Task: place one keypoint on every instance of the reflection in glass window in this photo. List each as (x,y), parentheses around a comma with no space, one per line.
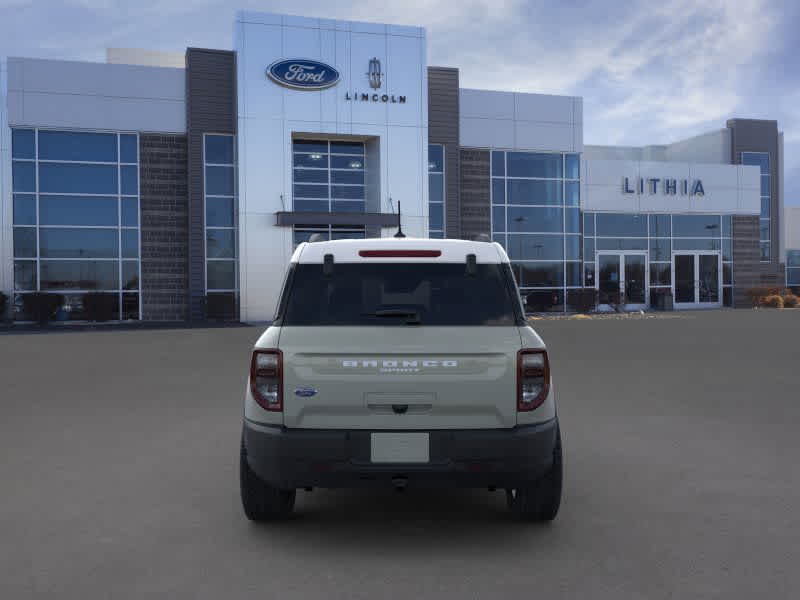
(532,164)
(621,225)
(325,173)
(762,160)
(78,146)
(436,195)
(219,154)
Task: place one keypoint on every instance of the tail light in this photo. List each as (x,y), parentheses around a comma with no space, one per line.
(533,379)
(266,379)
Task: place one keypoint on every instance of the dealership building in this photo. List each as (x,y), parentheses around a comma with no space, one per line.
(181,183)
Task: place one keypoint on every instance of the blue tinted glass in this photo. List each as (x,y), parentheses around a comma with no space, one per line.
(310,146)
(219,181)
(310,191)
(130,243)
(573,166)
(347,192)
(25,275)
(311,205)
(78,243)
(302,235)
(759,159)
(128,151)
(498,218)
(660,249)
(320,161)
(765,250)
(696,225)
(727,249)
(498,163)
(499,238)
(78,179)
(130,275)
(23,144)
(130,212)
(765,208)
(219,212)
(80,275)
(529,164)
(436,187)
(221,274)
(660,274)
(535,247)
(498,191)
(77,210)
(348,206)
(588,272)
(793,277)
(588,249)
(621,244)
(436,216)
(793,258)
(543,220)
(219,149)
(542,274)
(25,242)
(572,247)
(23,176)
(660,226)
(315,175)
(347,148)
(129,180)
(24,209)
(340,162)
(572,220)
(573,274)
(435,158)
(527,191)
(727,274)
(765,185)
(695,244)
(628,225)
(436,235)
(220,243)
(572,190)
(74,145)
(130,307)
(588,224)
(727,226)
(347,235)
(763,228)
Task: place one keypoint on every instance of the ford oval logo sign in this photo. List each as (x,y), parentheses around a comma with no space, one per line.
(305,392)
(303,74)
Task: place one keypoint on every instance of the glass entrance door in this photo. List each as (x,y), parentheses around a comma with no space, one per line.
(697,280)
(622,280)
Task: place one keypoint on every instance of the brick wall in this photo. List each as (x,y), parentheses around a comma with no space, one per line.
(165,227)
(748,270)
(475,196)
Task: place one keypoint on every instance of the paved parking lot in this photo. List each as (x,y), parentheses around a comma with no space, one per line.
(118,476)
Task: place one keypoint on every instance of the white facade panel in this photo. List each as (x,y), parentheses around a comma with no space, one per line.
(791,227)
(270,115)
(486,133)
(545,136)
(485,104)
(541,107)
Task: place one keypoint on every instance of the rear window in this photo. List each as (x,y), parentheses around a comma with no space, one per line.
(399,294)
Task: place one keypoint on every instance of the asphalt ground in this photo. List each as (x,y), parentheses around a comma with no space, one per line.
(118,471)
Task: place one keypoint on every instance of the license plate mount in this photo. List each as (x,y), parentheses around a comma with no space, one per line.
(397,447)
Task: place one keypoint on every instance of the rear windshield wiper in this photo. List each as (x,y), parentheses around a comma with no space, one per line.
(412,316)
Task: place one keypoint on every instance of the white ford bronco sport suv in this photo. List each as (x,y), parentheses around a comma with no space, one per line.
(400,362)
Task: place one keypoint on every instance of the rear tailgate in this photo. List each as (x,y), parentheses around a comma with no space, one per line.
(365,377)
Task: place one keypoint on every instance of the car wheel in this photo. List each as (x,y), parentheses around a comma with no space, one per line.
(261,501)
(540,500)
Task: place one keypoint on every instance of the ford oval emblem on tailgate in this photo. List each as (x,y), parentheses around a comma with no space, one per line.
(305,392)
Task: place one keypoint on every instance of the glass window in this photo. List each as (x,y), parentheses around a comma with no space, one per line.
(347,192)
(621,243)
(763,229)
(765,208)
(765,250)
(573,274)
(25,242)
(727,273)
(436,216)
(24,209)
(572,191)
(498,218)
(318,161)
(344,162)
(347,206)
(498,163)
(696,225)
(660,249)
(588,249)
(130,275)
(535,247)
(128,148)
(498,191)
(25,275)
(66,178)
(130,307)
(543,300)
(130,212)
(793,258)
(572,247)
(23,143)
(727,297)
(78,243)
(527,191)
(435,158)
(530,164)
(79,275)
(572,220)
(660,226)
(219,149)
(542,274)
(130,243)
(78,146)
(622,225)
(312,205)
(219,181)
(727,249)
(573,166)
(221,274)
(219,212)
(347,148)
(660,274)
(311,175)
(303,235)
(588,274)
(23,176)
(535,219)
(765,191)
(77,210)
(312,146)
(436,187)
(357,177)
(759,159)
(311,191)
(220,243)
(588,224)
(337,234)
(129,180)
(695,244)
(727,226)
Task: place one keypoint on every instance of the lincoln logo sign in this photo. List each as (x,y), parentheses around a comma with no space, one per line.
(302,74)
(670,187)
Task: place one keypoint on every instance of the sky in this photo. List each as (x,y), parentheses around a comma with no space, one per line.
(649,72)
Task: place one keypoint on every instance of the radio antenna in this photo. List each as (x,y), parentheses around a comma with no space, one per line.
(399,233)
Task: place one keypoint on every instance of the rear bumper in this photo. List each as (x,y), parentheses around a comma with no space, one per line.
(503,458)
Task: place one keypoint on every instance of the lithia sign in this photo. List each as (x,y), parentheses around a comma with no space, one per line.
(306,74)
(669,187)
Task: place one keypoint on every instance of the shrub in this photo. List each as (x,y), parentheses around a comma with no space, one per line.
(41,306)
(99,306)
(773,301)
(3,306)
(790,301)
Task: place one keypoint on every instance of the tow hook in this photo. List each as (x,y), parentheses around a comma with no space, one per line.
(400,482)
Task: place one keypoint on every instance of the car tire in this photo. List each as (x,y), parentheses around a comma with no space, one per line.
(261,501)
(540,500)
